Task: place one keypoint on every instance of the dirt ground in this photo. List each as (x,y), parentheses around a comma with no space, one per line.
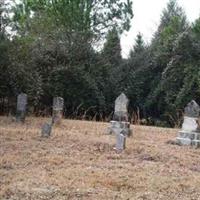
(78,162)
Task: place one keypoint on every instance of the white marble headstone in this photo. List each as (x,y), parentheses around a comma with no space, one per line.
(190,124)
(191,115)
(190,133)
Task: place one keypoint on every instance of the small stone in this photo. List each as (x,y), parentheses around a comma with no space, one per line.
(121,142)
(46,130)
(184,141)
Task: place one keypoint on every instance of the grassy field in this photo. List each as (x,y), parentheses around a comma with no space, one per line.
(78,162)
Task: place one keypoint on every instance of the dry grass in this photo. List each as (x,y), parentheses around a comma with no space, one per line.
(78,162)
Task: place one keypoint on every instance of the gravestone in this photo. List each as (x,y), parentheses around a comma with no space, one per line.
(121,141)
(190,133)
(21,107)
(115,126)
(58,104)
(121,111)
(120,125)
(46,130)
(120,118)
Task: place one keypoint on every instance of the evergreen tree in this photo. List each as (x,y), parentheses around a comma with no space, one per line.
(109,70)
(112,48)
(137,74)
(173,24)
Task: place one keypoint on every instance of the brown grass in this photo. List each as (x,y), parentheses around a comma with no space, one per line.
(78,162)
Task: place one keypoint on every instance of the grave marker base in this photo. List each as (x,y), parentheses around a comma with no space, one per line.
(188,138)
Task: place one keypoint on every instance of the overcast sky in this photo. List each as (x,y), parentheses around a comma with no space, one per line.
(147,16)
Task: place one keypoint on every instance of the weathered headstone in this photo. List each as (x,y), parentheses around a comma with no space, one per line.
(190,133)
(120,141)
(120,125)
(120,118)
(121,111)
(21,107)
(58,104)
(115,126)
(46,130)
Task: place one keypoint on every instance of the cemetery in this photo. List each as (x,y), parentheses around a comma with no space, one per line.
(76,159)
(99,100)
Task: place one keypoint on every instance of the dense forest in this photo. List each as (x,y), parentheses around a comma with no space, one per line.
(71,48)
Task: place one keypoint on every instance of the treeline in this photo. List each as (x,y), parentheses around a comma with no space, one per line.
(72,49)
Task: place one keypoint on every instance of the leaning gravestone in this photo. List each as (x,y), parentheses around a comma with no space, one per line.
(21,107)
(58,104)
(120,125)
(190,133)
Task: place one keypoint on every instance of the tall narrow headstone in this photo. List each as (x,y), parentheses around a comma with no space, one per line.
(190,133)
(58,104)
(21,107)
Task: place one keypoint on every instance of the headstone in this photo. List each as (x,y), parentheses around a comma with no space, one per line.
(190,133)
(58,104)
(121,142)
(120,117)
(121,111)
(120,125)
(21,107)
(115,126)
(192,110)
(46,130)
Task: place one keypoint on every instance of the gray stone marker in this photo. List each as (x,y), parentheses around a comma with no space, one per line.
(121,111)
(120,139)
(58,104)
(46,130)
(120,125)
(190,133)
(115,126)
(120,118)
(21,107)
(121,142)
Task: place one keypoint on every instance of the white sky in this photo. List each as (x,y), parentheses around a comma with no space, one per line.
(147,16)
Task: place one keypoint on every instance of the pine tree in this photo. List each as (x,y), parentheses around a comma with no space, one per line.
(112,48)
(173,24)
